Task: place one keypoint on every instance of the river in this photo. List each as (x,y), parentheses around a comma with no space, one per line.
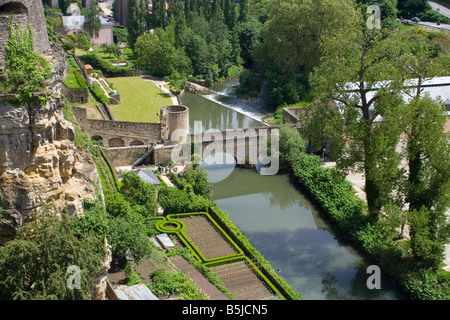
(280,222)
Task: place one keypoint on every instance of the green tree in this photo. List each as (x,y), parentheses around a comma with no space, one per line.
(365,123)
(158,56)
(249,35)
(291,39)
(92,23)
(292,147)
(140,194)
(198,179)
(427,243)
(116,204)
(34,265)
(135,22)
(128,234)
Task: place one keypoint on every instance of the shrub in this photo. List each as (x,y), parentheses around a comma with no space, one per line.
(179,201)
(107,68)
(98,93)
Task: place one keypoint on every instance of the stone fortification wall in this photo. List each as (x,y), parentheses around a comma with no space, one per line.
(121,157)
(151,131)
(172,118)
(23,13)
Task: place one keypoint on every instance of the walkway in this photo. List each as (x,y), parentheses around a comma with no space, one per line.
(160,83)
(440,8)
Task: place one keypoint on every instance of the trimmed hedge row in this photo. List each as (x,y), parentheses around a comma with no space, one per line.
(106,68)
(335,195)
(181,232)
(196,253)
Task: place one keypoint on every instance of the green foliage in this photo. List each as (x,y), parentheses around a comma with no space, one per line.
(131,276)
(335,194)
(129,233)
(249,84)
(33,266)
(173,200)
(98,93)
(140,194)
(174,283)
(157,55)
(198,180)
(104,66)
(177,82)
(94,219)
(25,69)
(117,205)
(292,147)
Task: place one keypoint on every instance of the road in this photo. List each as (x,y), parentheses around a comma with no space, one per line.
(434,25)
(439,8)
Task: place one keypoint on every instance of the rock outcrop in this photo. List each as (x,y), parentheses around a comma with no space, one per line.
(39,163)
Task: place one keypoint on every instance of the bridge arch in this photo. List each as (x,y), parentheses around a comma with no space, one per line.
(116,143)
(136,143)
(13,7)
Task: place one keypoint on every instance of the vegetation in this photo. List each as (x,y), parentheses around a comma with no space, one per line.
(104,66)
(141,100)
(48,246)
(25,69)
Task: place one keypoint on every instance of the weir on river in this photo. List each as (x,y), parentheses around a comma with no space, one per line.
(280,222)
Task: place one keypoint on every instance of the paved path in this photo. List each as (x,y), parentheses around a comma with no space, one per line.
(440,8)
(160,83)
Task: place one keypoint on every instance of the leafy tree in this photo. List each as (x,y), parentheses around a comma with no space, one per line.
(116,204)
(157,55)
(177,82)
(292,147)
(136,23)
(291,39)
(128,234)
(427,243)
(365,124)
(140,194)
(33,266)
(92,23)
(198,179)
(249,35)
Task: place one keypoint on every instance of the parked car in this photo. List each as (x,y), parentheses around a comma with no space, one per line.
(415,19)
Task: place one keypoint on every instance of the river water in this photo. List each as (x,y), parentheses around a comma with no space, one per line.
(280,222)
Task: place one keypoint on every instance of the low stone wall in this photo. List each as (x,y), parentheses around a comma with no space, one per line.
(162,154)
(80,95)
(121,157)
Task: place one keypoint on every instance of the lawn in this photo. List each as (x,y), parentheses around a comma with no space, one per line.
(141,100)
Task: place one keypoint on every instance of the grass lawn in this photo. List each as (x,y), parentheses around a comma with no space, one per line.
(141,100)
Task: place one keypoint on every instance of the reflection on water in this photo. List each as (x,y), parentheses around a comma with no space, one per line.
(290,233)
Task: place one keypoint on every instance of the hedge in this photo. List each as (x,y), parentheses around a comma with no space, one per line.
(181,232)
(104,66)
(98,93)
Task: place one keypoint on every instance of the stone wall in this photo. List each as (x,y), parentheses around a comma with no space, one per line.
(121,157)
(79,95)
(172,118)
(152,131)
(23,12)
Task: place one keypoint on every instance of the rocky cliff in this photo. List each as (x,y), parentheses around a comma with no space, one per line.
(39,163)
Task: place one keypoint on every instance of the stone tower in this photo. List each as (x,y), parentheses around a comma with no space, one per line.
(23,13)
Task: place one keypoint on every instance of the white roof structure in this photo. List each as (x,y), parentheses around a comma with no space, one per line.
(438,87)
(136,292)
